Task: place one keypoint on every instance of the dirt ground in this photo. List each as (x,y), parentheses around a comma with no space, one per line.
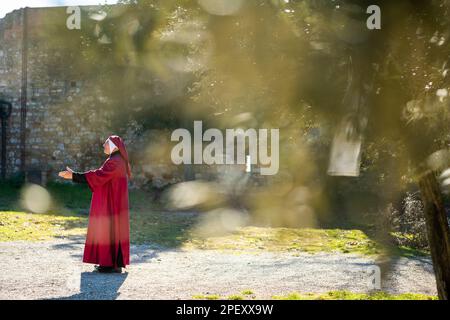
(53,270)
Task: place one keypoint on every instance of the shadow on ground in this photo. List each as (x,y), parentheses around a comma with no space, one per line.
(97,286)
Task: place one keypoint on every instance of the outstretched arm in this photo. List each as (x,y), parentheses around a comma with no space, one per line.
(94,178)
(69,174)
(98,177)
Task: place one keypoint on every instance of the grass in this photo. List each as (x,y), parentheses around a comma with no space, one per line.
(247,292)
(17,224)
(347,295)
(24,226)
(9,197)
(218,297)
(291,240)
(162,228)
(206,297)
(173,230)
(157,228)
(331,295)
(71,197)
(68,216)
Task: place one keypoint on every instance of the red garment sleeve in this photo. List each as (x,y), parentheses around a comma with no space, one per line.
(98,177)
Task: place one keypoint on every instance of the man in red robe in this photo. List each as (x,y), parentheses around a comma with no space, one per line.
(108,235)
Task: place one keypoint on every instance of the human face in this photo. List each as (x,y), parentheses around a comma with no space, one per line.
(106,148)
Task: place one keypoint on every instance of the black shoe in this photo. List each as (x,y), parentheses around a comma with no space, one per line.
(102,269)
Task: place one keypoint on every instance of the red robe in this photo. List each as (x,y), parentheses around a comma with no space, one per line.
(108,235)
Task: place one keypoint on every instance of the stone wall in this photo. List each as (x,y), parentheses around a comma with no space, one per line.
(65,123)
(67,120)
(54,130)
(11,33)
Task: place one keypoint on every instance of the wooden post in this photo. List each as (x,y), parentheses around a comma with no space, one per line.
(437,231)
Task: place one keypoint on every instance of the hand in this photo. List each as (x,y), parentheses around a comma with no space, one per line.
(67,174)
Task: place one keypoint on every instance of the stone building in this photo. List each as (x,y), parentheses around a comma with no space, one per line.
(44,133)
(56,120)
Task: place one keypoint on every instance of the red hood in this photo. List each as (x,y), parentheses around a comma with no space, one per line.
(123,151)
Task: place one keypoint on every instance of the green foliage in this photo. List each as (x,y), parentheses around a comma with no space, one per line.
(71,196)
(253,239)
(150,224)
(331,295)
(9,195)
(206,297)
(23,226)
(346,295)
(247,292)
(161,228)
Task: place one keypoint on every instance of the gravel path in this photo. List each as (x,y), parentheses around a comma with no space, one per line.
(53,270)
